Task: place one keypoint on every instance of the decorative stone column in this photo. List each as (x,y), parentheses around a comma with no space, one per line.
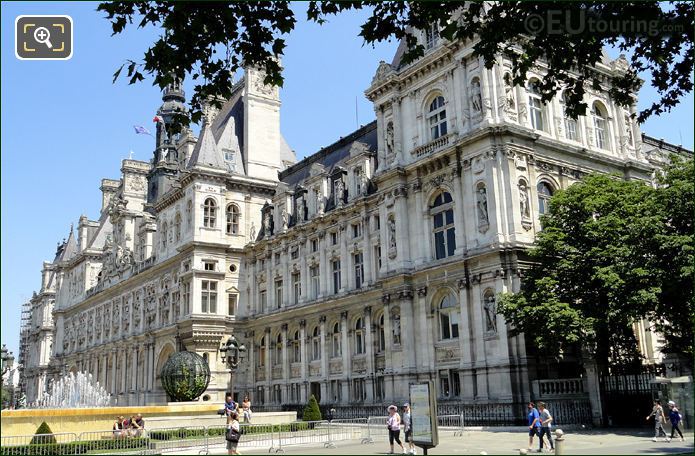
(389,369)
(345,351)
(305,360)
(285,362)
(324,357)
(466,363)
(114,368)
(324,267)
(370,353)
(347,277)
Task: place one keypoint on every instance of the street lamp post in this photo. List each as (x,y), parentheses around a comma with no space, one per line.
(233,353)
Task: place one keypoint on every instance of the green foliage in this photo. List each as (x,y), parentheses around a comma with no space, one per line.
(79,447)
(211,40)
(43,435)
(611,253)
(312,411)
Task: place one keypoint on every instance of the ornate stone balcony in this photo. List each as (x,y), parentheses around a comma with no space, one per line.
(558,388)
(433,145)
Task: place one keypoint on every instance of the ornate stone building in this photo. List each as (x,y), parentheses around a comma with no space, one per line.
(373,263)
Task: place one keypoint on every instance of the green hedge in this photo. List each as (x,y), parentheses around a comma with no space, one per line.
(80,447)
(180,434)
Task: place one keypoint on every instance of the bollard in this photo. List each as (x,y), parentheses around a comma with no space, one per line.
(559,442)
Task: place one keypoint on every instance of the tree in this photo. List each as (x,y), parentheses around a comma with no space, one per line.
(43,435)
(611,253)
(312,411)
(210,40)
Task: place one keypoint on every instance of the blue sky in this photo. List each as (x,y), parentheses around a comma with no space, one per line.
(65,126)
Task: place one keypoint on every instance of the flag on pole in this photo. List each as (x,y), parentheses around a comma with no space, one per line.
(140,130)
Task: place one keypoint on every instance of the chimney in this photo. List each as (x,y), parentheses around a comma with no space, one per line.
(108,188)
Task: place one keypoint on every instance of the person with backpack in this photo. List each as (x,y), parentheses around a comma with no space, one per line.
(233,433)
(675,417)
(659,418)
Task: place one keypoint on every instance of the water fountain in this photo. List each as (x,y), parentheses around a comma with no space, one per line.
(75,391)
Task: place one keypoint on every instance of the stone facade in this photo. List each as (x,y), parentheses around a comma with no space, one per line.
(370,264)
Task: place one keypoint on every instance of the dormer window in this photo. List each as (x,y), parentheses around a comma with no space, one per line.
(431,36)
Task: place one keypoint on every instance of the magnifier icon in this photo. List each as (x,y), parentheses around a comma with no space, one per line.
(43,36)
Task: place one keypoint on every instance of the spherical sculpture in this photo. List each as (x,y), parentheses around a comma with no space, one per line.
(185,376)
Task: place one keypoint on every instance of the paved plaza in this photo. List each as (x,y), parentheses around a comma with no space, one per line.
(509,442)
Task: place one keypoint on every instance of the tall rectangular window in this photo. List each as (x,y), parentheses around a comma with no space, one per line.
(356,230)
(359,269)
(262,301)
(186,297)
(444,385)
(278,293)
(208,296)
(335,264)
(296,287)
(571,129)
(455,383)
(315,281)
(314,245)
(334,238)
(231,304)
(379,388)
(377,257)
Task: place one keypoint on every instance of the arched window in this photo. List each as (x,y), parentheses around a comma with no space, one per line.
(571,130)
(336,340)
(261,352)
(206,358)
(296,349)
(380,336)
(359,337)
(165,228)
(177,227)
(535,106)
(545,191)
(278,350)
(232,219)
(442,211)
(600,126)
(431,35)
(437,118)
(315,345)
(209,213)
(448,318)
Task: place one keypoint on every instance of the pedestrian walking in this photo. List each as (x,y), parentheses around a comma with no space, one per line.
(675,417)
(393,423)
(534,424)
(233,433)
(408,428)
(659,418)
(545,418)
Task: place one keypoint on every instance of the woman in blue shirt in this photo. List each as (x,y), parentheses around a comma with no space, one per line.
(675,417)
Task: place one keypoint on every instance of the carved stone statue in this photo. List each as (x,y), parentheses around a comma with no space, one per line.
(389,138)
(490,314)
(392,233)
(283,216)
(266,224)
(510,104)
(396,329)
(339,192)
(252,232)
(476,96)
(481,204)
(523,201)
(320,204)
(364,184)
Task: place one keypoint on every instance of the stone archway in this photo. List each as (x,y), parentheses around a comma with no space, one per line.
(164,354)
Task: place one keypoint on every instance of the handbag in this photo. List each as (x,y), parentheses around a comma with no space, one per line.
(232,435)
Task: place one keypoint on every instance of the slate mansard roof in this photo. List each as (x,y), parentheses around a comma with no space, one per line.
(331,156)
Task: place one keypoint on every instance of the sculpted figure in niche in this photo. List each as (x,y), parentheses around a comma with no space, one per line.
(283,216)
(481,204)
(392,233)
(510,104)
(266,224)
(364,184)
(339,191)
(476,96)
(523,200)
(396,328)
(490,314)
(389,138)
(252,232)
